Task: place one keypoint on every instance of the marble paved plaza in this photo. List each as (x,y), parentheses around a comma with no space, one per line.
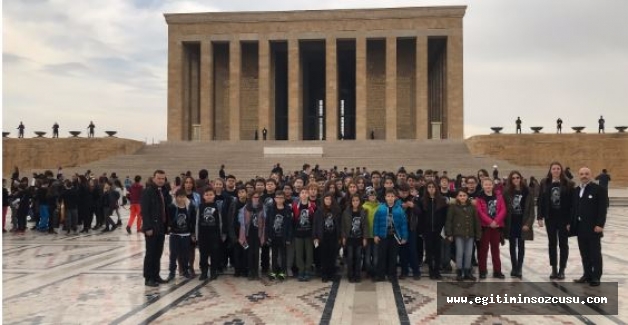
(97,279)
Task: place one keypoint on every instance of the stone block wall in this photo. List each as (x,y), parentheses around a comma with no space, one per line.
(47,153)
(597,151)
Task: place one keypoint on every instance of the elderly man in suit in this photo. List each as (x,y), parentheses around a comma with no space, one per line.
(588,219)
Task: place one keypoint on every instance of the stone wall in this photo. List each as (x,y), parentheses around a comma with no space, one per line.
(597,151)
(47,153)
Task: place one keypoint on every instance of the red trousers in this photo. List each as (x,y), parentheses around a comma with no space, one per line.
(135,213)
(4,216)
(490,236)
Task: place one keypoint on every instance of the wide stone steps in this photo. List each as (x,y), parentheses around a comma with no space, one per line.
(245,159)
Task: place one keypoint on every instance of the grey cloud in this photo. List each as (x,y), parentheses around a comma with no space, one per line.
(66,69)
(11,59)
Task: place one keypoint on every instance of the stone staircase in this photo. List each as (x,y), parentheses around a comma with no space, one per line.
(246,159)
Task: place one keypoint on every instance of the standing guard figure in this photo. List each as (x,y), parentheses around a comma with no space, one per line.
(91,128)
(518,122)
(55,130)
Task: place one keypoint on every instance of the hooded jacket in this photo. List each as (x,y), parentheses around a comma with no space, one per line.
(500,210)
(370,208)
(399,219)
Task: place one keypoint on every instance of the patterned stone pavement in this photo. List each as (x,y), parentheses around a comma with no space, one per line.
(97,279)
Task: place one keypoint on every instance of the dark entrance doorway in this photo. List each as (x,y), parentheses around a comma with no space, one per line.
(437,87)
(279,70)
(313,70)
(346,89)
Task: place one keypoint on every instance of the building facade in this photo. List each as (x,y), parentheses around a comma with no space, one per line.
(316,75)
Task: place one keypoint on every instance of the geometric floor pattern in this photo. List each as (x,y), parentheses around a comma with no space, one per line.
(96,278)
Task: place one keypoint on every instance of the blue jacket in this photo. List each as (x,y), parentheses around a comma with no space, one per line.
(399,218)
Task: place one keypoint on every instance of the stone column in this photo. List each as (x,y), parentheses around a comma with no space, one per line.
(234,89)
(175,80)
(453,120)
(264,87)
(331,91)
(391,88)
(294,91)
(421,88)
(206,91)
(360,88)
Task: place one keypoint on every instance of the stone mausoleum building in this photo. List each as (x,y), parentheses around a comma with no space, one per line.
(316,75)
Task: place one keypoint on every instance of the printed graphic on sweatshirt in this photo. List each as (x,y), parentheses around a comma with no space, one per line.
(208,216)
(329,222)
(278,225)
(492,208)
(254,220)
(356,227)
(516,204)
(304,219)
(182,220)
(268,202)
(555,197)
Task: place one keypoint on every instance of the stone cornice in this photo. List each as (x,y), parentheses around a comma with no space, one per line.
(317,15)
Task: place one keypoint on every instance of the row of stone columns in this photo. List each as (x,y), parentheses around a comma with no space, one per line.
(453,107)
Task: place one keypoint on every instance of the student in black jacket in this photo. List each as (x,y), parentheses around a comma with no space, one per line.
(181,217)
(239,253)
(279,234)
(554,206)
(326,233)
(354,227)
(412,253)
(210,234)
(434,219)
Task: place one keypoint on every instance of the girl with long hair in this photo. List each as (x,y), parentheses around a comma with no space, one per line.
(554,204)
(519,220)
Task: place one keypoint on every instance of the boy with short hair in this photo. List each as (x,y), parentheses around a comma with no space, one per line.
(303,211)
(209,234)
(279,234)
(182,216)
(390,229)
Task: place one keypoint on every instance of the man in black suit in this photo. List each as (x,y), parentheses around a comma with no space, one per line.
(154,202)
(588,219)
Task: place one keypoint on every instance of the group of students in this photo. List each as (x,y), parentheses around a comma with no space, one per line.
(55,203)
(298,225)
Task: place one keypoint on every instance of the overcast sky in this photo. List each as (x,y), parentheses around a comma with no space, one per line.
(75,61)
